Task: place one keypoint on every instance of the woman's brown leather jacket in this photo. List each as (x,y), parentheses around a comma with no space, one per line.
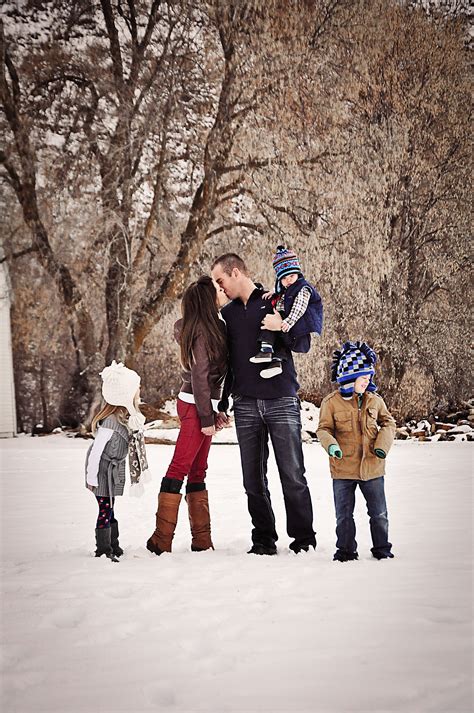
(206,378)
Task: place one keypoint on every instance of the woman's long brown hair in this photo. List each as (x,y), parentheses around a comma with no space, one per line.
(200,316)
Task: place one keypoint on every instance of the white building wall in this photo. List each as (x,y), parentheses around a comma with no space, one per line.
(7,387)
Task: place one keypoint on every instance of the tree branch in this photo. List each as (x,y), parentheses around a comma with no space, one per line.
(149,28)
(230,226)
(20,253)
(14,178)
(130,20)
(319,29)
(114,41)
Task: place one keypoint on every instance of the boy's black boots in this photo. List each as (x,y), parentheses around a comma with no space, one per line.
(114,538)
(104,547)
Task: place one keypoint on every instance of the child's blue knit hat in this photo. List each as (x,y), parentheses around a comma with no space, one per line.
(285,262)
(353,360)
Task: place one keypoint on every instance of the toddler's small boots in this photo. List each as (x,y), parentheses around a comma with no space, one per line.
(264,356)
(273,369)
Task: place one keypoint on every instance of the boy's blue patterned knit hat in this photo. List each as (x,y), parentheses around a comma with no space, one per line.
(285,263)
(353,360)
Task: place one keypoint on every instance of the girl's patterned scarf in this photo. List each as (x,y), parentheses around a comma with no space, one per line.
(137,456)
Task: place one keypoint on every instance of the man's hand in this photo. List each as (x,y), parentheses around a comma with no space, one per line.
(222,421)
(208,430)
(272,322)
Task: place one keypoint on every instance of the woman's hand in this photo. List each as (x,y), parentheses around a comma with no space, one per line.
(267,295)
(208,430)
(92,488)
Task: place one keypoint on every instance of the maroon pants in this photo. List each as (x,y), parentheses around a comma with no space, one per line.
(192,447)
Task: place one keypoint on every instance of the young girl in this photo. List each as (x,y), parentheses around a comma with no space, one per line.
(202,339)
(119,426)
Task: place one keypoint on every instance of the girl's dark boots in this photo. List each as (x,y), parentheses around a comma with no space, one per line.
(103,543)
(200,520)
(114,539)
(166,519)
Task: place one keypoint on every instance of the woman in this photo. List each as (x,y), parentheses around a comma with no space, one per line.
(203,345)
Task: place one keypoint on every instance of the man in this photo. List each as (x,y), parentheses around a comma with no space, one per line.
(264,407)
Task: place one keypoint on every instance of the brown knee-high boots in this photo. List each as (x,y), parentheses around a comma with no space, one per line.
(200,520)
(166,519)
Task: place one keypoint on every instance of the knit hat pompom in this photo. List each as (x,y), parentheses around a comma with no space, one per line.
(119,386)
(285,262)
(354,359)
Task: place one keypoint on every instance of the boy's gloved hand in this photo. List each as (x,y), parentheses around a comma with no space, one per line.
(334,451)
(380,453)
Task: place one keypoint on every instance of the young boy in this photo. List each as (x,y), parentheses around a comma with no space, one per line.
(357,430)
(299,304)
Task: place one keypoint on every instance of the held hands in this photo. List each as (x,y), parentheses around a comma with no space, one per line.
(272,322)
(208,430)
(222,420)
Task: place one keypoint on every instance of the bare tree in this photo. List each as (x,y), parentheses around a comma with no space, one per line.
(21,175)
(142,137)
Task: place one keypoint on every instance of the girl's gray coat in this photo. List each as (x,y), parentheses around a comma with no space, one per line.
(111,475)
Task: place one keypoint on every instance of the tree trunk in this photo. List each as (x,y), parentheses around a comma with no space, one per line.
(218,147)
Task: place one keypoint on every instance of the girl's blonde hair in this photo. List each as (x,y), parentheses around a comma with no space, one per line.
(120,411)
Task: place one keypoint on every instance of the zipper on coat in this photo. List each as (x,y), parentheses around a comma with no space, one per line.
(359,411)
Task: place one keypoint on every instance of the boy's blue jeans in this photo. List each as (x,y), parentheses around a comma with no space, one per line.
(256,420)
(344,500)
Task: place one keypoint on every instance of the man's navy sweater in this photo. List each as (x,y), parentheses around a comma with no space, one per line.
(243,331)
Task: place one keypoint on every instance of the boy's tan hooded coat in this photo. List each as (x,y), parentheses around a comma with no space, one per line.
(358,433)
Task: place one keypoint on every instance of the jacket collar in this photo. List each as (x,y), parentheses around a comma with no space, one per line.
(257,293)
(368,396)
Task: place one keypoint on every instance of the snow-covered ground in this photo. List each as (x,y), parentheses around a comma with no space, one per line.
(223,631)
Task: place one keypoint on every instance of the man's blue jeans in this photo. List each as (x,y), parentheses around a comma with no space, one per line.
(344,500)
(255,420)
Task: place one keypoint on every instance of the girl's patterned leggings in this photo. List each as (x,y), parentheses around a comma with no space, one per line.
(106,512)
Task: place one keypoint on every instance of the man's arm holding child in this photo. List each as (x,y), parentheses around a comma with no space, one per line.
(275,323)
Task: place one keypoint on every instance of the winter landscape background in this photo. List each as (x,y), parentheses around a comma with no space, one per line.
(227,632)
(143,139)
(139,140)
